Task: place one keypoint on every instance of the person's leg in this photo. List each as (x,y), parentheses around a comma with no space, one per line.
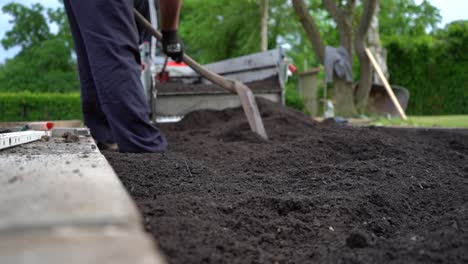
(110,36)
(94,117)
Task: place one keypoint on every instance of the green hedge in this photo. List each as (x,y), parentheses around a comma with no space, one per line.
(39,107)
(434,69)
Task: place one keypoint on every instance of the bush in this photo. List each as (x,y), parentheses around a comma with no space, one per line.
(293,98)
(39,107)
(433,68)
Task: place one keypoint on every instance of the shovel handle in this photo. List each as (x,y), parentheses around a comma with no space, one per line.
(211,76)
(247,98)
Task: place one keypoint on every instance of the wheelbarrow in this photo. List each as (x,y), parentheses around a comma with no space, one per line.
(381,104)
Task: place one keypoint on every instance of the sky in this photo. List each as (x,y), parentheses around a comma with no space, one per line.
(451,10)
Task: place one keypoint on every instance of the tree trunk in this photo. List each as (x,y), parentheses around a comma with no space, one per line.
(343,90)
(375,45)
(311,28)
(343,95)
(265,5)
(365,84)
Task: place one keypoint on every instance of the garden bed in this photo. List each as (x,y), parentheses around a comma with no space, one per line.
(313,193)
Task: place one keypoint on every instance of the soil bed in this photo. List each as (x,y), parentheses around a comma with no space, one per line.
(314,193)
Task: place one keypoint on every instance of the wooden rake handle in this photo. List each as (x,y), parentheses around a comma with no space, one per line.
(386,84)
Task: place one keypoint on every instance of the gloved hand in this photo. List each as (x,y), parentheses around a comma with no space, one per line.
(173,45)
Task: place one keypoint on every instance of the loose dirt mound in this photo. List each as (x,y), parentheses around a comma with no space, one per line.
(312,194)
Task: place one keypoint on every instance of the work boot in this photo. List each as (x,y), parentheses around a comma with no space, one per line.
(111,147)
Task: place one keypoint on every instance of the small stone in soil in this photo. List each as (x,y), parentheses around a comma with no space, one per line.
(358,239)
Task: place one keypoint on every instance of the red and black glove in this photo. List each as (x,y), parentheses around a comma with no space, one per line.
(173,45)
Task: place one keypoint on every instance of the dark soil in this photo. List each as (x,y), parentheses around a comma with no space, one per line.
(69,137)
(314,193)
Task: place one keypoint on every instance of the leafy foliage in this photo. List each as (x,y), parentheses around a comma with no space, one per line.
(288,32)
(29,26)
(45,62)
(232,28)
(406,18)
(433,68)
(215,30)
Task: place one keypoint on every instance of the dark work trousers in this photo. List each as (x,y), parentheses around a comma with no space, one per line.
(114,107)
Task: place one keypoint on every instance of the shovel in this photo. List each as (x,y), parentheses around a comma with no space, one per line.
(246,96)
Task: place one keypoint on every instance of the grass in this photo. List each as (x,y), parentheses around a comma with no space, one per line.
(460,121)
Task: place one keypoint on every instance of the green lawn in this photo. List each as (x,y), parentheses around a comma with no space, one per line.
(428,121)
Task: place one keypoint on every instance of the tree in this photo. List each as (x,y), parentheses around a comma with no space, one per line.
(45,62)
(399,17)
(230,29)
(29,26)
(342,13)
(406,18)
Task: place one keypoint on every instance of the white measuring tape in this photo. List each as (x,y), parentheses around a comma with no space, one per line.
(9,140)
